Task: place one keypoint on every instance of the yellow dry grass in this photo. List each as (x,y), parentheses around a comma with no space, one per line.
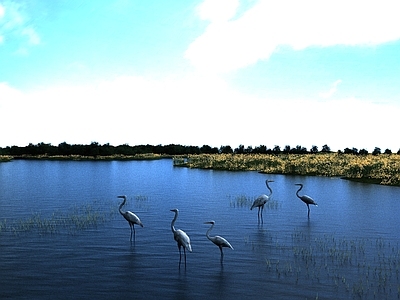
(382,169)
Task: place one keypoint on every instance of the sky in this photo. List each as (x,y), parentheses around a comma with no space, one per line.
(212,72)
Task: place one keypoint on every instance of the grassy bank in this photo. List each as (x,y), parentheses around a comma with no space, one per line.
(4,158)
(381,169)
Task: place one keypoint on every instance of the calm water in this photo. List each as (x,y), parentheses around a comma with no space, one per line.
(61,234)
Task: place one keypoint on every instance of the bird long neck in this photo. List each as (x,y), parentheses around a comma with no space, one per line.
(297,193)
(208,231)
(120,206)
(270,190)
(173,222)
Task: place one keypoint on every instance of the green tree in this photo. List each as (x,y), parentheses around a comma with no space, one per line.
(314,149)
(376,151)
(225,149)
(277,150)
(239,150)
(388,151)
(326,149)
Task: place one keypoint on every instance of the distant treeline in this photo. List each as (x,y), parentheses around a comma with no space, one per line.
(96,149)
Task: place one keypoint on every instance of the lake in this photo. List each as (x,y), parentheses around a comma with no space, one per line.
(61,235)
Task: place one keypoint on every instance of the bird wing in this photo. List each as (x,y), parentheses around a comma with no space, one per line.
(307,199)
(132,218)
(181,237)
(220,241)
(261,200)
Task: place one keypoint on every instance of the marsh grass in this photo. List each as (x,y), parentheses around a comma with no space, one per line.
(381,169)
(77,218)
(141,202)
(359,268)
(243,201)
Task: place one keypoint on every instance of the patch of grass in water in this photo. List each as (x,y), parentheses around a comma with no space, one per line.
(78,218)
(243,201)
(361,268)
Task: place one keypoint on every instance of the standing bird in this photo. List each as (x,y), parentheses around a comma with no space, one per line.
(180,237)
(217,240)
(261,200)
(130,217)
(306,199)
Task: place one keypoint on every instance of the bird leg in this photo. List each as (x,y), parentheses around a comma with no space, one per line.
(131,231)
(262,218)
(180,258)
(308,206)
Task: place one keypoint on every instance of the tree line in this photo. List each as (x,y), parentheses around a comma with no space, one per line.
(95,149)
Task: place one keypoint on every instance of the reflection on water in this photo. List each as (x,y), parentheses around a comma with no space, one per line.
(61,234)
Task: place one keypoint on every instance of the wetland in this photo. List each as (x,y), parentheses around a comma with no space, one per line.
(61,233)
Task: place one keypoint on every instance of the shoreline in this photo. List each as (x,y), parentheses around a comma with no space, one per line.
(8,158)
(368,169)
(372,169)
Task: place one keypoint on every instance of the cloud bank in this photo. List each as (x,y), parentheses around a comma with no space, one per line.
(230,43)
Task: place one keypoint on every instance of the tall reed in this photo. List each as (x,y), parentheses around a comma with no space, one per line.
(382,169)
(362,268)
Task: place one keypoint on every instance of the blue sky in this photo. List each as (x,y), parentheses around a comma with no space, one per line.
(215,72)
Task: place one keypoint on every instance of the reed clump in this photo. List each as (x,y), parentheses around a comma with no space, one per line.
(247,201)
(363,268)
(382,169)
(78,218)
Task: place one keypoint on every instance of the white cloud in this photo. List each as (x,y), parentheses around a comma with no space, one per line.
(14,25)
(192,110)
(332,90)
(126,110)
(1,11)
(217,10)
(232,44)
(31,34)
(1,17)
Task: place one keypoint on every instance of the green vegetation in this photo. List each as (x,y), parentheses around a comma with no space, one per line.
(76,219)
(245,201)
(101,152)
(71,221)
(381,169)
(376,167)
(4,158)
(361,268)
(107,151)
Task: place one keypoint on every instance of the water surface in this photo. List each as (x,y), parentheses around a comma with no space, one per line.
(61,234)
